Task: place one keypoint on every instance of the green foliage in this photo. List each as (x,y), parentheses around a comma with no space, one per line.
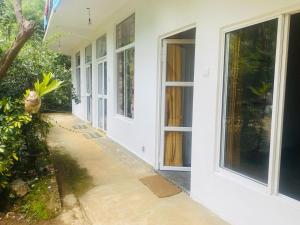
(32,9)
(47,85)
(35,204)
(263,90)
(22,136)
(34,59)
(22,140)
(12,118)
(21,131)
(256,58)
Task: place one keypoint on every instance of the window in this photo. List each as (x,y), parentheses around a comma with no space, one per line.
(101,47)
(289,179)
(77,59)
(78,75)
(248,94)
(126,32)
(125,67)
(88,54)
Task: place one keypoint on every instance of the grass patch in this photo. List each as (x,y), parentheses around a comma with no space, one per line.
(37,203)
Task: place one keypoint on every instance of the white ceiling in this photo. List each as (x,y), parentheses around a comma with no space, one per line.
(70,21)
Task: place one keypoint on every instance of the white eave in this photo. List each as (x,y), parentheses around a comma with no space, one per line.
(68,25)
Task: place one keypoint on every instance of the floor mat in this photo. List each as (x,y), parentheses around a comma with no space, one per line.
(160,186)
(79,126)
(91,135)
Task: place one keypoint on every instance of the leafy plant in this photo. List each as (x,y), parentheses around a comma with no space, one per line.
(12,118)
(33,98)
(35,59)
(48,85)
(22,132)
(263,90)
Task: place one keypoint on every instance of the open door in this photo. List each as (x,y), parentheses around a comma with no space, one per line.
(177,104)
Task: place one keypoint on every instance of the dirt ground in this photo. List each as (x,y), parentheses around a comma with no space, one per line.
(72,180)
(19,220)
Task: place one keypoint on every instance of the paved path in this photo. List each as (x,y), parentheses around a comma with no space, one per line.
(116,196)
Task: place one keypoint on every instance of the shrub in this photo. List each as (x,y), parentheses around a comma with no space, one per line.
(22,134)
(12,139)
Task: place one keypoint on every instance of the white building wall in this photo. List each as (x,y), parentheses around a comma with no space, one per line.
(237,201)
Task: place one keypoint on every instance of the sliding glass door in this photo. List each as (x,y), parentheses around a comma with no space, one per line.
(177,104)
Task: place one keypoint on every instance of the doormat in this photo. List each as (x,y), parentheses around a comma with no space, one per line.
(79,126)
(160,186)
(91,135)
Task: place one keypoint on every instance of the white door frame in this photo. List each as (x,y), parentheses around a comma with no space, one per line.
(165,84)
(89,93)
(103,95)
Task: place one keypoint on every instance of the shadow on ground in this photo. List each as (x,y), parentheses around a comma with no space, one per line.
(71,178)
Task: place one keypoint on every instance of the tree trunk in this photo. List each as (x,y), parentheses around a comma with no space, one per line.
(26,31)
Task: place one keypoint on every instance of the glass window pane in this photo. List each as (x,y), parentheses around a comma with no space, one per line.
(78,82)
(89,79)
(250,57)
(120,83)
(100,79)
(105,78)
(125,32)
(101,47)
(77,59)
(88,54)
(179,104)
(129,82)
(178,149)
(100,112)
(180,62)
(289,183)
(89,108)
(105,114)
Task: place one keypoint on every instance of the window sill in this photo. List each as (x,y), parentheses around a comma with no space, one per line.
(242,180)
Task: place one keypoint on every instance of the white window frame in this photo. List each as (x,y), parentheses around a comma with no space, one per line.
(102,60)
(272,188)
(118,50)
(103,96)
(222,97)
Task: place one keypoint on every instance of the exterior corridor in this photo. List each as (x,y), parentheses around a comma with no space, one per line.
(117,197)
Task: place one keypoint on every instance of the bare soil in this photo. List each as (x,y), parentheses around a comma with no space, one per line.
(71,179)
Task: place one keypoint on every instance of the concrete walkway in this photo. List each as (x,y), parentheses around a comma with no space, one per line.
(116,196)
